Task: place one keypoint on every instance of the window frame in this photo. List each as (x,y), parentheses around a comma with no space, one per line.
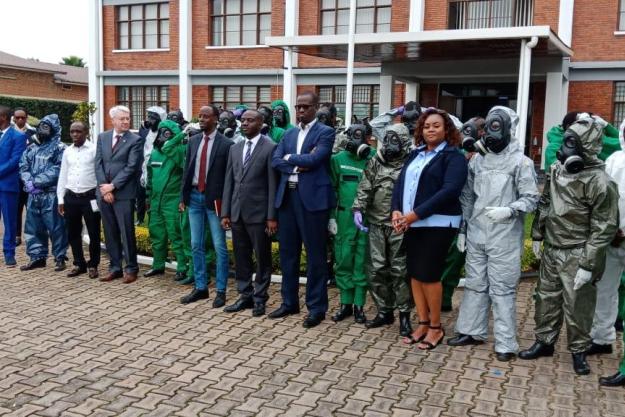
(228,105)
(618,101)
(143,102)
(143,20)
(336,9)
(224,18)
(372,104)
(620,21)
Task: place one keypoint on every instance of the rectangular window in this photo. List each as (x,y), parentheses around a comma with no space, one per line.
(366,99)
(619,102)
(139,99)
(476,14)
(621,15)
(372,16)
(231,96)
(240,22)
(143,26)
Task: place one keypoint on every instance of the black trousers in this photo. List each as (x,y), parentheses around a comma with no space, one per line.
(249,239)
(77,209)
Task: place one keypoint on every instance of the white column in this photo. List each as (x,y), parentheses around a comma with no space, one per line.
(349,98)
(95,64)
(289,81)
(387,84)
(565,21)
(525,70)
(417,13)
(412,92)
(553,106)
(184,58)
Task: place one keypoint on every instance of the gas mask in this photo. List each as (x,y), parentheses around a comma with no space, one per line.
(471,140)
(324,116)
(44,133)
(570,153)
(267,119)
(177,117)
(409,119)
(279,116)
(497,130)
(227,124)
(164,134)
(357,141)
(152,121)
(391,146)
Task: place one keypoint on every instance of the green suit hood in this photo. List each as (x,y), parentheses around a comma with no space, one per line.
(171,125)
(285,106)
(404,135)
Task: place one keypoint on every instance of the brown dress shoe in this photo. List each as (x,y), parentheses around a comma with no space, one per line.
(130,277)
(93,272)
(111,276)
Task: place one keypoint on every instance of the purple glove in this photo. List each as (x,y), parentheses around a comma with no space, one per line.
(358,222)
(399,111)
(31,189)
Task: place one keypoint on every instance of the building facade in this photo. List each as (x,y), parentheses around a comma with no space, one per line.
(544,57)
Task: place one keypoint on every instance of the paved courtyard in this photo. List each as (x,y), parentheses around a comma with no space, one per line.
(79,347)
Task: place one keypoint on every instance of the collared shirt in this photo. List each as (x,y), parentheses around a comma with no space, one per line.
(411,184)
(254,143)
(77,170)
(196,173)
(301,137)
(115,134)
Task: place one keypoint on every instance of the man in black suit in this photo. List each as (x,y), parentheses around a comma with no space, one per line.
(119,155)
(202,189)
(304,198)
(248,208)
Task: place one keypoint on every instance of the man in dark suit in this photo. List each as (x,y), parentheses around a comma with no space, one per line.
(202,189)
(248,209)
(119,155)
(304,198)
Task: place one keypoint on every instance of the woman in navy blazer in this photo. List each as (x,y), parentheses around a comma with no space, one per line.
(426,208)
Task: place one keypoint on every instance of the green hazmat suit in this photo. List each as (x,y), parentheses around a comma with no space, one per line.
(173,152)
(388,284)
(287,115)
(350,243)
(577,218)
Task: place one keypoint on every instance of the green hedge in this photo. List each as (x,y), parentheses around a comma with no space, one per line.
(41,108)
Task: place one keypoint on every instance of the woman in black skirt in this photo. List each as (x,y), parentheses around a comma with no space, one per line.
(426,208)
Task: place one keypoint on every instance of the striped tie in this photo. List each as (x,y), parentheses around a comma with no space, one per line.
(248,154)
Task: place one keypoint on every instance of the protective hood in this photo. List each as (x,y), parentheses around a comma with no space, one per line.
(287,113)
(171,125)
(621,134)
(402,131)
(158,110)
(589,130)
(514,119)
(55,123)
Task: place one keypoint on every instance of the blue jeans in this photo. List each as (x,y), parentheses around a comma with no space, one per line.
(199,213)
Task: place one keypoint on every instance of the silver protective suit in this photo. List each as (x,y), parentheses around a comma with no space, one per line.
(493,263)
(606,310)
(577,218)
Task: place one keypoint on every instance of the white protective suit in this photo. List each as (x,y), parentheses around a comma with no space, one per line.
(494,248)
(148,145)
(384,120)
(606,310)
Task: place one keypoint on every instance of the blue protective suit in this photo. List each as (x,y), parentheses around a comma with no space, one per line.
(40,165)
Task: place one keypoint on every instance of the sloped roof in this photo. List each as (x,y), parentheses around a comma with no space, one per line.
(62,73)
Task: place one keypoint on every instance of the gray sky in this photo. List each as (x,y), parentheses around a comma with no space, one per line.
(45,29)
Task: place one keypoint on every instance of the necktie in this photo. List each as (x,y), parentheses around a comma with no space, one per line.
(248,154)
(117,139)
(201,181)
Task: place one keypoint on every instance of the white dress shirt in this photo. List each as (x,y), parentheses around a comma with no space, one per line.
(77,170)
(196,173)
(254,143)
(301,137)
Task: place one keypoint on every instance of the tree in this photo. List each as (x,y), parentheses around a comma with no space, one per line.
(73,60)
(84,113)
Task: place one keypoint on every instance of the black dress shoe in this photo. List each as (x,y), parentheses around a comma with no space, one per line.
(259,310)
(60,265)
(345,311)
(580,365)
(153,272)
(597,349)
(77,270)
(463,340)
(616,380)
(240,304)
(220,299)
(194,296)
(37,263)
(180,276)
(381,319)
(405,328)
(312,321)
(537,350)
(505,356)
(282,311)
(359,315)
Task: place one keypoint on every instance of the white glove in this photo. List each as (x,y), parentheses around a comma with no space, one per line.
(461,243)
(582,278)
(332,227)
(536,248)
(498,214)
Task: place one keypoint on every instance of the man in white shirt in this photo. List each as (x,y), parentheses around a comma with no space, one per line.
(77,200)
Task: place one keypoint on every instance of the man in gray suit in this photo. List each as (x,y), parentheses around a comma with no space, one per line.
(248,209)
(119,155)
